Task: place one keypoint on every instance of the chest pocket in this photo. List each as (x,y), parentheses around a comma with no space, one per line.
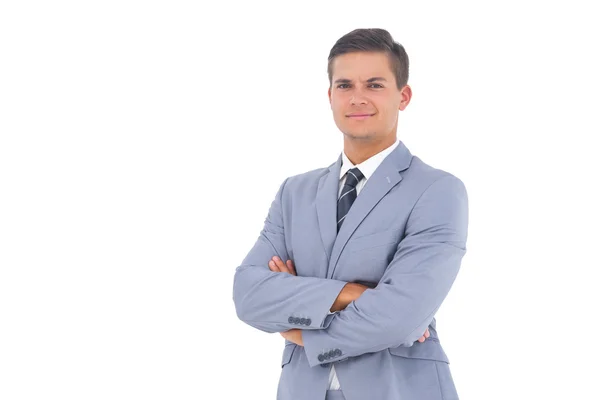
(373,240)
(367,257)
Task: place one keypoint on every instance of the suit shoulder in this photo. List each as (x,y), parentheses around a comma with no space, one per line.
(308,178)
(427,174)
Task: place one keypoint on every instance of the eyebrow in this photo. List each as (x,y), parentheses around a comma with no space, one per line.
(377,78)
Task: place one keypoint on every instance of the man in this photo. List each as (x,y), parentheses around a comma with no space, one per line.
(355,259)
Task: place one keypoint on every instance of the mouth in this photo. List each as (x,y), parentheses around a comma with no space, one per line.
(359,116)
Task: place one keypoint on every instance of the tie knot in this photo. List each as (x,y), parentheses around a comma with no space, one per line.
(353,177)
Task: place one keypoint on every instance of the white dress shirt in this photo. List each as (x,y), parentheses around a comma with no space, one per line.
(367,168)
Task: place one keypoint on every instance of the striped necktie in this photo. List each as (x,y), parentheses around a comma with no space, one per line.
(353,176)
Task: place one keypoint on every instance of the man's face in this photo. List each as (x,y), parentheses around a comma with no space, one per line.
(362,84)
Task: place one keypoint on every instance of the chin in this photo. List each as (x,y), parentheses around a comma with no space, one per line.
(360,135)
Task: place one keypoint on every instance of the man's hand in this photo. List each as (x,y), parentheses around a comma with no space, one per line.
(425,336)
(276,265)
(294,336)
(349,293)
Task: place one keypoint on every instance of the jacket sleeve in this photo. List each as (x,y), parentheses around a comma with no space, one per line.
(412,289)
(276,301)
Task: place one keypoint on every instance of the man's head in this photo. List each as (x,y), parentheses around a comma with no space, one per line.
(368,74)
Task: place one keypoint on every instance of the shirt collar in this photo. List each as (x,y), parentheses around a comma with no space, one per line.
(368,166)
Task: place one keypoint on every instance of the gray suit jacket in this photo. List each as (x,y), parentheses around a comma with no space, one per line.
(405,233)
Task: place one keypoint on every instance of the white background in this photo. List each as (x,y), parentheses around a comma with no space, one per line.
(141,144)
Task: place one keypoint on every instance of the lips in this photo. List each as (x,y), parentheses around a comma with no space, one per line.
(359,117)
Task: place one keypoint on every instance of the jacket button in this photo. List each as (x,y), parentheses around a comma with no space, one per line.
(308,321)
(291,320)
(337,352)
(325,365)
(331,354)
(302,321)
(321,358)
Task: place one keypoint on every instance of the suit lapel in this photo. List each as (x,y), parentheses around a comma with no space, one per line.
(385,177)
(327,205)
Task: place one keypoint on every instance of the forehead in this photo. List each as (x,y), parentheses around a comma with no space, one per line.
(361,65)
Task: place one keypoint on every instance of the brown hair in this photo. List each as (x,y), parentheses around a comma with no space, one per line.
(375,40)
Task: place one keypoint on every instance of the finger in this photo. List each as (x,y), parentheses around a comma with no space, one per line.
(422,339)
(290,265)
(427,333)
(273,266)
(282,267)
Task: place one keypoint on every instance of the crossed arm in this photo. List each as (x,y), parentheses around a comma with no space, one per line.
(395,313)
(349,293)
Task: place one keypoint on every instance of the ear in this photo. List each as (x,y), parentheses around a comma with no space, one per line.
(405,96)
(329,94)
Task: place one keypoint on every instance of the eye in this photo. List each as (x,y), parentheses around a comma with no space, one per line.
(342,84)
(377,84)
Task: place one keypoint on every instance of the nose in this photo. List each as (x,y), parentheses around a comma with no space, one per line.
(357,98)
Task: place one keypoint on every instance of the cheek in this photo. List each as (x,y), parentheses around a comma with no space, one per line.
(389,113)
(336,103)
(338,112)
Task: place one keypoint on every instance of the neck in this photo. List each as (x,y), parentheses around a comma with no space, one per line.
(360,149)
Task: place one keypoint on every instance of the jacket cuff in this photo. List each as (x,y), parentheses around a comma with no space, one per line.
(316,354)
